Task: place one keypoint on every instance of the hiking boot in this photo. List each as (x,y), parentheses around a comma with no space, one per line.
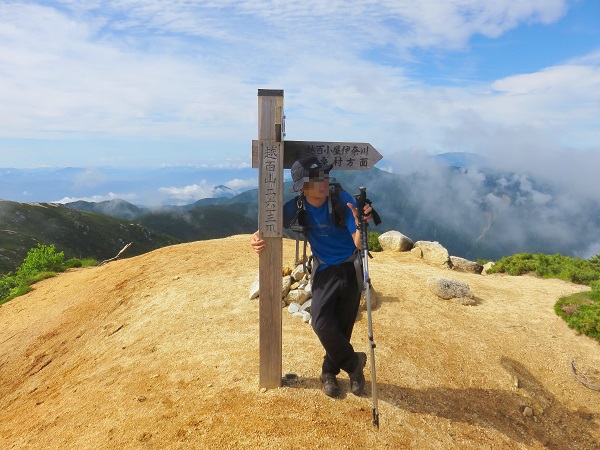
(330,385)
(357,378)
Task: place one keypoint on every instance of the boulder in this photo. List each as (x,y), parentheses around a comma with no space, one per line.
(464,265)
(395,241)
(432,252)
(455,290)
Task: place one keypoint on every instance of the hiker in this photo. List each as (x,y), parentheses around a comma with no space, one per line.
(336,284)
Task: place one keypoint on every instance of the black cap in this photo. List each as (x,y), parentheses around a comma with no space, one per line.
(303,168)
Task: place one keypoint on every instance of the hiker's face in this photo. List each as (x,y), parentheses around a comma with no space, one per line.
(317,185)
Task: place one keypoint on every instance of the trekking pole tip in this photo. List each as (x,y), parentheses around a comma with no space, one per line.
(375,418)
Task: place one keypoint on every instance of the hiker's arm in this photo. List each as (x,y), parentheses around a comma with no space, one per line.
(257,243)
(367,216)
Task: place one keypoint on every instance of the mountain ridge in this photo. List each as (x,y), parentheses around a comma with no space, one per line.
(161,350)
(475,214)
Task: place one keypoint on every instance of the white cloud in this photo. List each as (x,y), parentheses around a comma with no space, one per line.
(100,198)
(131,71)
(197,191)
(188,194)
(241,185)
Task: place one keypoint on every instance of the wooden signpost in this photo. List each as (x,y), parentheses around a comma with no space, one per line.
(269,157)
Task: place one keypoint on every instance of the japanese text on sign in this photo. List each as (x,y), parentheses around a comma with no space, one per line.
(340,156)
(271,186)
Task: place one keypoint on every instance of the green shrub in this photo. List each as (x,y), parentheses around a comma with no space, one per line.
(581,311)
(40,259)
(40,263)
(373,239)
(71,263)
(7,284)
(76,262)
(549,266)
(88,262)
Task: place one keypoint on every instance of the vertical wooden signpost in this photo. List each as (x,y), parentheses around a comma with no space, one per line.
(269,157)
(270,207)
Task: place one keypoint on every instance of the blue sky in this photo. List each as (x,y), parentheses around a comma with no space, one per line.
(131,82)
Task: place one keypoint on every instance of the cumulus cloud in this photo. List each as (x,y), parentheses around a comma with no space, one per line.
(197,191)
(188,194)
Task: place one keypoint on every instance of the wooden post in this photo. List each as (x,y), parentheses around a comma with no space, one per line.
(270,217)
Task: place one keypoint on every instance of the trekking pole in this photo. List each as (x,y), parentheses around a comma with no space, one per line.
(361,200)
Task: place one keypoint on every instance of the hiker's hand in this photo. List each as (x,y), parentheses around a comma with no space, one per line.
(257,243)
(367,216)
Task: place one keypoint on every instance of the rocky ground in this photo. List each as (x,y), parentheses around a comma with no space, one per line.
(160,351)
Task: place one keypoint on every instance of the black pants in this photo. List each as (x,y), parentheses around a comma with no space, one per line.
(335,301)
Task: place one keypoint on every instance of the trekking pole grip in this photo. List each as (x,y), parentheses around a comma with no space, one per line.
(361,201)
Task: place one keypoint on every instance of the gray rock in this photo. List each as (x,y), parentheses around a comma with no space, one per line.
(487,266)
(432,252)
(298,296)
(294,307)
(395,241)
(373,296)
(286,282)
(298,273)
(306,306)
(254,289)
(464,265)
(457,291)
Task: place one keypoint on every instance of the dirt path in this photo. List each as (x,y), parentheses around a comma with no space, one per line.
(160,351)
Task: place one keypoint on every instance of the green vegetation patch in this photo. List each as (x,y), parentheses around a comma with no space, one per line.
(581,311)
(41,262)
(373,239)
(566,268)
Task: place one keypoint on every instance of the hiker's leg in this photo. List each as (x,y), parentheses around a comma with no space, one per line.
(328,285)
(347,307)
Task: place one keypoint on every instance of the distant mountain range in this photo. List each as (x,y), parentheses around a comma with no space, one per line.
(140,186)
(474,213)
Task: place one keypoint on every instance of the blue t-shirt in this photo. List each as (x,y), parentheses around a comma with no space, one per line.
(330,244)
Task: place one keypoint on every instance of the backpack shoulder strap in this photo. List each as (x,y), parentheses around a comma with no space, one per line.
(336,208)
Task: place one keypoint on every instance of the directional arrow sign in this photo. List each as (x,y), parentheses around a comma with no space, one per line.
(342,155)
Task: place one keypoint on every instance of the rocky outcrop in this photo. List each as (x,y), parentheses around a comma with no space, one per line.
(432,252)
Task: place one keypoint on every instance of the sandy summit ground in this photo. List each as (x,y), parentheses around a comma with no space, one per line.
(160,351)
